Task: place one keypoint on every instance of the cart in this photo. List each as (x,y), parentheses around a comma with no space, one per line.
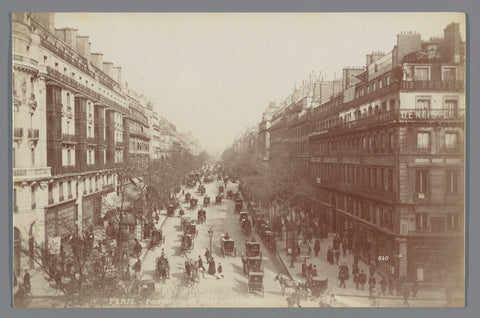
(163,268)
(190,228)
(201,216)
(255,282)
(193,203)
(238,205)
(228,247)
(157,237)
(252,264)
(253,249)
(187,243)
(270,241)
(247,226)
(317,286)
(170,210)
(206,201)
(243,217)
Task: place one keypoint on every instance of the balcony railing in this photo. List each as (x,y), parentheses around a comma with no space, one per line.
(119,144)
(18,133)
(71,82)
(23,172)
(68,138)
(402,115)
(33,133)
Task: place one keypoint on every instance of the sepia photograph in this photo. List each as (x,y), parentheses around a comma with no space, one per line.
(238,160)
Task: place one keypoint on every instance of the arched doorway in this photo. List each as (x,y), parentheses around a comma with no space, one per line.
(17,252)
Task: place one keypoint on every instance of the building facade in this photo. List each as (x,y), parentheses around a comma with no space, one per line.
(385,147)
(74,125)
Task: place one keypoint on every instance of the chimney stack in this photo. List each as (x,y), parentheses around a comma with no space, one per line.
(117,74)
(108,68)
(47,19)
(97,60)
(83,46)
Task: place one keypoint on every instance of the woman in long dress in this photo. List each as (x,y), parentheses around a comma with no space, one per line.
(211,267)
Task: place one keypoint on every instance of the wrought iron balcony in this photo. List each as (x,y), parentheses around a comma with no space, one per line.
(33,133)
(68,138)
(18,133)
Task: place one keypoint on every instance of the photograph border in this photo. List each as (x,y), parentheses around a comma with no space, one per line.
(472,150)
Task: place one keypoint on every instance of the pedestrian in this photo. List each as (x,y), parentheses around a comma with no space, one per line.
(26,280)
(344,248)
(415,288)
(220,271)
(316,247)
(355,269)
(211,267)
(356,258)
(371,283)
(137,249)
(208,255)
(314,271)
(337,255)
(383,285)
(330,255)
(372,270)
(406,294)
(390,285)
(137,267)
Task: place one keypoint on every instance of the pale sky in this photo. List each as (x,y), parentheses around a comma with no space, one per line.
(215,73)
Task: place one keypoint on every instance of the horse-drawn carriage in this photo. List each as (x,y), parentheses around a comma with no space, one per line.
(252,264)
(187,243)
(252,249)
(218,199)
(238,205)
(269,239)
(201,216)
(193,203)
(255,282)
(317,286)
(228,247)
(191,272)
(243,217)
(206,201)
(190,228)
(157,237)
(162,268)
(247,226)
(170,210)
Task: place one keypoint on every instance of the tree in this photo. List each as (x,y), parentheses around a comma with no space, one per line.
(83,272)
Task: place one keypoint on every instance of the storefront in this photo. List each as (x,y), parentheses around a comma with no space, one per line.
(60,219)
(435,259)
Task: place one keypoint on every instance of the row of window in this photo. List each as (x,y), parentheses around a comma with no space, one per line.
(378,142)
(379,178)
(438,223)
(422,186)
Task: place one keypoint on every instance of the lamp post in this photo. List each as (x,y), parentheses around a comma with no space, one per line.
(210,235)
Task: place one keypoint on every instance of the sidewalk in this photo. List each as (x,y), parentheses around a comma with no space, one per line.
(325,270)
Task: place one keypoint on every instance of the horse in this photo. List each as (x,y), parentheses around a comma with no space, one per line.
(286,283)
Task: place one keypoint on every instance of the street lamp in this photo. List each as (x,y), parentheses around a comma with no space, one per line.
(210,235)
